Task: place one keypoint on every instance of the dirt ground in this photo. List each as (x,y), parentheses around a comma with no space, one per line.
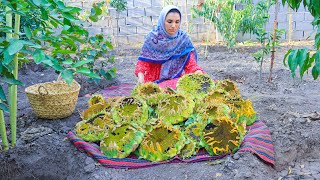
(289,107)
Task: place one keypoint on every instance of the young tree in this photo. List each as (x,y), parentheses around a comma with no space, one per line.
(303,58)
(59,41)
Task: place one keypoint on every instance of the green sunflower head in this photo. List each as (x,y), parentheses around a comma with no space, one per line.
(161,143)
(221,136)
(243,111)
(96,99)
(213,111)
(175,108)
(150,92)
(231,89)
(130,110)
(95,129)
(195,85)
(121,141)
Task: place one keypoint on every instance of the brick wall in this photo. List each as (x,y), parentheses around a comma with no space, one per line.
(131,25)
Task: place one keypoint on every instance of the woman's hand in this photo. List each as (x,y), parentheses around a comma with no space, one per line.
(198,72)
(140,78)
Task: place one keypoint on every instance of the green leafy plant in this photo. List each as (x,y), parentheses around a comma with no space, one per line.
(120,5)
(231,21)
(59,41)
(304,58)
(266,39)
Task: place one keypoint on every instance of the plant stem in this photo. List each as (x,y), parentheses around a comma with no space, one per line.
(274,39)
(261,63)
(3,132)
(2,121)
(13,88)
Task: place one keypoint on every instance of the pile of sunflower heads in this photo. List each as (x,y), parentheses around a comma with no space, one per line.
(157,124)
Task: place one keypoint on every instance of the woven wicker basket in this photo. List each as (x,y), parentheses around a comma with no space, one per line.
(53,100)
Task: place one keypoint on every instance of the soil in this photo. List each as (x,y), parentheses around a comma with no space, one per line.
(290,108)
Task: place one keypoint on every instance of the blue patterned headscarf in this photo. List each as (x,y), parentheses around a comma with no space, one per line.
(172,51)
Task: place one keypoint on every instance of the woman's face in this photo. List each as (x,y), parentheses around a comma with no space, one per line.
(172,23)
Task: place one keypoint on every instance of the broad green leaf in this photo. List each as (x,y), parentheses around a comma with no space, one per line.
(98,11)
(2,95)
(60,5)
(45,3)
(80,63)
(11,81)
(111,74)
(87,72)
(44,14)
(66,27)
(6,29)
(69,16)
(285,57)
(31,44)
(56,65)
(37,2)
(84,71)
(109,45)
(68,61)
(292,61)
(92,39)
(303,60)
(317,38)
(28,32)
(93,18)
(67,75)
(72,10)
(92,12)
(7,58)
(316,67)
(4,107)
(315,72)
(38,56)
(54,24)
(15,46)
(94,75)
(63,51)
(93,52)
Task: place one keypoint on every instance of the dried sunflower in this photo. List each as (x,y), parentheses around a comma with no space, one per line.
(121,141)
(96,99)
(231,89)
(188,150)
(150,92)
(243,111)
(94,129)
(175,108)
(221,136)
(213,111)
(130,110)
(93,111)
(161,143)
(195,85)
(194,131)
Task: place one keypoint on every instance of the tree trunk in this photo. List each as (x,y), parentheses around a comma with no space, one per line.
(275,25)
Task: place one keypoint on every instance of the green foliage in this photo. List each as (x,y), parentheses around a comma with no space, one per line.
(266,40)
(303,58)
(120,5)
(231,21)
(54,36)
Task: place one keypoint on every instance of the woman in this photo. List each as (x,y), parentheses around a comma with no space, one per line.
(167,53)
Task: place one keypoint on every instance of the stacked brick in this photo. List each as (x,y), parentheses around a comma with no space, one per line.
(141,16)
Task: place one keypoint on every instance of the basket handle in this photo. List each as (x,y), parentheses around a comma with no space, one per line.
(41,93)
